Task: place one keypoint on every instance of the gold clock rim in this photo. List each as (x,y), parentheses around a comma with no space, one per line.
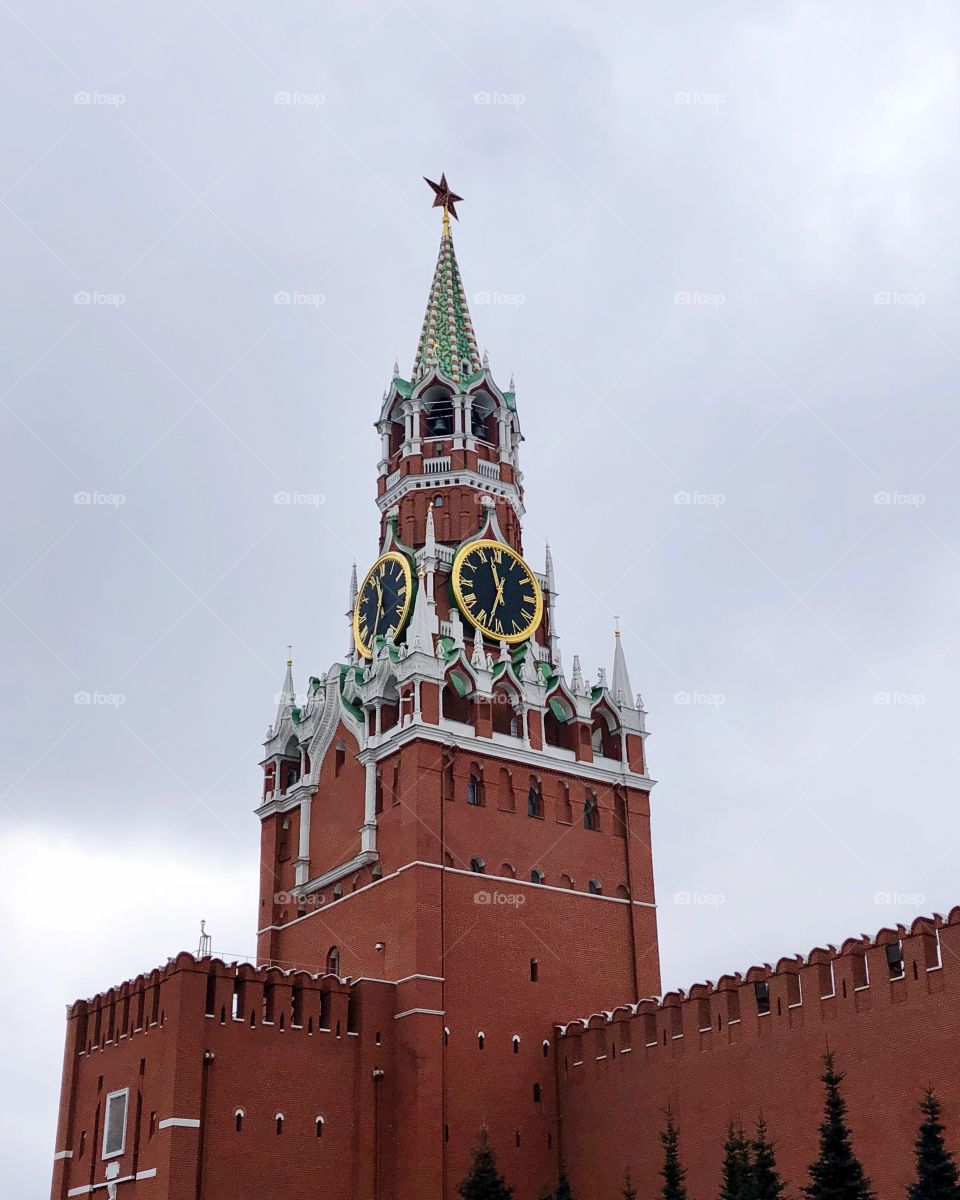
(491,543)
(389,556)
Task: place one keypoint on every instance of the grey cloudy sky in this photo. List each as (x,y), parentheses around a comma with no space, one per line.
(718,247)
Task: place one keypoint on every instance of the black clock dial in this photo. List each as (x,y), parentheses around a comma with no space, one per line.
(383,602)
(496,591)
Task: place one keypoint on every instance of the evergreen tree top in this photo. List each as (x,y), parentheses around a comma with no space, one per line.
(765,1181)
(483,1181)
(672,1171)
(936,1168)
(837,1173)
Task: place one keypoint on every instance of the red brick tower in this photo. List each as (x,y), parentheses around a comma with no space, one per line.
(446,810)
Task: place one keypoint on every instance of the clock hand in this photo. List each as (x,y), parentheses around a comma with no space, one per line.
(498,599)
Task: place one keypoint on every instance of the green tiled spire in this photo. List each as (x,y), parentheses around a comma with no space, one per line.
(447,339)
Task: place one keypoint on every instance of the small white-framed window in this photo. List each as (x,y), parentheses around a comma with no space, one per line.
(115,1123)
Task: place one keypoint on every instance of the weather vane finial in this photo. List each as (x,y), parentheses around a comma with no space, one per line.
(444,198)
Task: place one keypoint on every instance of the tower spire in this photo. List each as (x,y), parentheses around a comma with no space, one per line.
(447,339)
(620,686)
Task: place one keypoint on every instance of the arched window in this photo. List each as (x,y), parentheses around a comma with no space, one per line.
(333,961)
(480,1040)
(475,789)
(534,970)
(596,888)
(438,413)
(508,871)
(591,812)
(516,1043)
(319,1127)
(478,866)
(534,798)
(537,876)
(446,1036)
(537,1093)
(546,1048)
(238,1120)
(279,1121)
(340,758)
(566,881)
(438,501)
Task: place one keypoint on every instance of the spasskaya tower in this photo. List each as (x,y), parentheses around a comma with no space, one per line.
(446,809)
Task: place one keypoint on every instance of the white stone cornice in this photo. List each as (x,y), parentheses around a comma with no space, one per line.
(461,476)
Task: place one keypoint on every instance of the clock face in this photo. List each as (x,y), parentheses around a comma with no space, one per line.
(496,591)
(383,603)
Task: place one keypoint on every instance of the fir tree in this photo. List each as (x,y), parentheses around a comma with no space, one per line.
(484,1182)
(936,1169)
(629,1191)
(765,1181)
(563,1187)
(837,1173)
(735,1173)
(672,1170)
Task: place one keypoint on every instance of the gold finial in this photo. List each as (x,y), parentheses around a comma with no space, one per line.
(616,624)
(289,656)
(445,227)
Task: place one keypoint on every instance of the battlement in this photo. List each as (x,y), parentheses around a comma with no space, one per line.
(226,992)
(870,971)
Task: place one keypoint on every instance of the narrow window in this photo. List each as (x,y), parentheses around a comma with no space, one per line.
(477,865)
(537,876)
(536,1093)
(340,757)
(152,1127)
(279,1120)
(238,1121)
(115,1123)
(895,960)
(761,989)
(480,1041)
(546,1048)
(591,813)
(210,1006)
(596,888)
(518,1137)
(83,1142)
(319,1127)
(333,961)
(446,1037)
(475,786)
(438,502)
(534,970)
(534,798)
(516,1043)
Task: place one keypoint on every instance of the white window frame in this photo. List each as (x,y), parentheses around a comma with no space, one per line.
(107,1105)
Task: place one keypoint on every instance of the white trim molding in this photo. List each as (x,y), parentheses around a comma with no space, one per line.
(62,1154)
(427,1012)
(179,1123)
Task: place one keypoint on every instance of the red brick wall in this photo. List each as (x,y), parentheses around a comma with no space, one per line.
(891,1038)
